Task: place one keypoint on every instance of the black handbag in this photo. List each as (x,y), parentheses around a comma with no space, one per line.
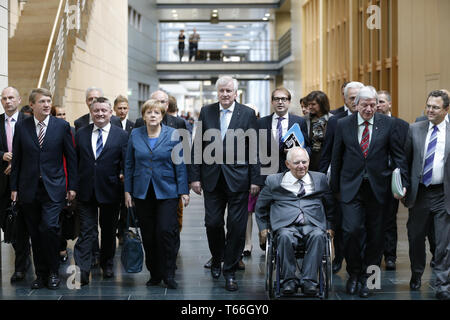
(70,222)
(132,255)
(10,223)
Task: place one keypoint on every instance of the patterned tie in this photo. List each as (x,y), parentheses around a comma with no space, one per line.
(9,135)
(365,139)
(280,130)
(41,133)
(300,218)
(99,147)
(223,123)
(429,158)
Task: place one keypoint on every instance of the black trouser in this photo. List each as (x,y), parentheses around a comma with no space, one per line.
(123,213)
(181,52)
(192,51)
(362,225)
(159,227)
(89,215)
(229,247)
(390,228)
(338,236)
(42,220)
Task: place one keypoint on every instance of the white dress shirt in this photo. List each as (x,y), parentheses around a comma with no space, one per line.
(361,128)
(36,122)
(124,124)
(13,121)
(228,115)
(291,183)
(284,125)
(438,161)
(105,133)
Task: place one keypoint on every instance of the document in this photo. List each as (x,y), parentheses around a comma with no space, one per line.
(293,137)
(396,183)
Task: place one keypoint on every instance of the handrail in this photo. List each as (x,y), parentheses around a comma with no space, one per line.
(47,54)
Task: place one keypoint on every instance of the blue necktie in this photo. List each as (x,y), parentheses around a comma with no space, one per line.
(223,122)
(280,130)
(99,147)
(429,158)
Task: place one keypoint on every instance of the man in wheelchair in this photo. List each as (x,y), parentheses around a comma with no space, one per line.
(297,205)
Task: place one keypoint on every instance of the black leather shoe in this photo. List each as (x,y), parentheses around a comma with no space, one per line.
(171,283)
(108,273)
(84,277)
(247,253)
(390,264)
(215,271)
(53,281)
(64,258)
(352,284)
(153,282)
(309,288)
(231,284)
(241,265)
(207,265)
(289,287)
(364,290)
(38,283)
(17,276)
(443,295)
(337,264)
(415,281)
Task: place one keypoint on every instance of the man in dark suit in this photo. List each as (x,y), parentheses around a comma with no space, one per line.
(344,107)
(226,182)
(360,178)
(297,204)
(83,121)
(350,92)
(38,180)
(101,151)
(428,151)
(10,102)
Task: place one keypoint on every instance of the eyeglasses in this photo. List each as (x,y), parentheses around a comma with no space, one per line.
(433,107)
(280,99)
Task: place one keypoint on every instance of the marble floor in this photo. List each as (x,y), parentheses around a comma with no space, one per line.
(195,282)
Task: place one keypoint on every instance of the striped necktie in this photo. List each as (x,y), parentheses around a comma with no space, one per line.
(41,133)
(429,158)
(223,123)
(99,146)
(280,130)
(365,140)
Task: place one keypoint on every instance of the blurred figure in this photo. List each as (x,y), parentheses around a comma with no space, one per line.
(193,44)
(304,107)
(181,38)
(26,110)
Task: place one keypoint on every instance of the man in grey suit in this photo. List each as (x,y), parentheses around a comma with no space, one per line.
(427,150)
(298,205)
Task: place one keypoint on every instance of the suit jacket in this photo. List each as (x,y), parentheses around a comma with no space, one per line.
(4,148)
(30,161)
(421,118)
(266,123)
(100,177)
(167,120)
(129,126)
(238,175)
(276,207)
(338,110)
(349,167)
(415,148)
(83,121)
(145,165)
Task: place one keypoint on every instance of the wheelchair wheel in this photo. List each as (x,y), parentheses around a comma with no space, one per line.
(329,268)
(269,267)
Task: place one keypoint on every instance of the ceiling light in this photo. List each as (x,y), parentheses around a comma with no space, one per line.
(174,11)
(265,18)
(228,34)
(224,46)
(214,14)
(230,26)
(267,14)
(215,11)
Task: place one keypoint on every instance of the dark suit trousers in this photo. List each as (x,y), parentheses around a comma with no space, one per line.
(160,233)
(229,247)
(42,220)
(390,228)
(338,240)
(89,215)
(362,225)
(429,208)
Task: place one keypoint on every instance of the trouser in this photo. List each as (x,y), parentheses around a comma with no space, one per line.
(42,220)
(362,226)
(160,233)
(181,52)
(430,208)
(390,228)
(338,235)
(89,214)
(192,51)
(228,247)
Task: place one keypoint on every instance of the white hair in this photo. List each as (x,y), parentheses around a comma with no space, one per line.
(352,85)
(367,92)
(294,150)
(89,90)
(226,80)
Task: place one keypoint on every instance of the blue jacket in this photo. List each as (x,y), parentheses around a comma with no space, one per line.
(144,165)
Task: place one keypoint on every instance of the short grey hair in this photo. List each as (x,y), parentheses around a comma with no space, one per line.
(101,100)
(226,80)
(293,150)
(386,94)
(352,85)
(367,92)
(90,89)
(16,92)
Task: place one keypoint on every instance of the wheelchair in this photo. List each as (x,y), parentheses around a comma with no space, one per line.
(273,267)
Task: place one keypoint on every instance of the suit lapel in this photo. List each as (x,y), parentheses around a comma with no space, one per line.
(3,131)
(162,134)
(144,136)
(377,124)
(215,114)
(354,134)
(31,127)
(234,117)
(447,141)
(422,137)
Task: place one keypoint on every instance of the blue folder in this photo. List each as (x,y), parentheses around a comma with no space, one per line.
(294,137)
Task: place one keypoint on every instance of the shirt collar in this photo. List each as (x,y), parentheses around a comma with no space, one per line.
(105,128)
(361,120)
(441,126)
(275,116)
(46,120)
(14,116)
(292,180)
(231,108)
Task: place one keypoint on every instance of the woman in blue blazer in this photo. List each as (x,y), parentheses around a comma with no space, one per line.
(155,183)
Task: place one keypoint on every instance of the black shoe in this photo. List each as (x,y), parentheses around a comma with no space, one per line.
(108,273)
(309,288)
(64,258)
(415,281)
(390,264)
(364,290)
(84,277)
(230,283)
(53,281)
(289,287)
(215,271)
(95,262)
(171,283)
(337,264)
(153,282)
(352,284)
(247,253)
(17,276)
(241,265)
(443,295)
(208,264)
(38,283)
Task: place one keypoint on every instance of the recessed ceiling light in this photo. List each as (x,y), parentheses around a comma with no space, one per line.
(214,14)
(267,14)
(230,26)
(224,46)
(228,34)
(215,11)
(174,11)
(265,18)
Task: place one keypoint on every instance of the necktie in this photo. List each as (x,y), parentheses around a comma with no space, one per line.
(300,218)
(41,133)
(429,158)
(365,139)
(223,123)
(99,146)
(280,130)
(9,135)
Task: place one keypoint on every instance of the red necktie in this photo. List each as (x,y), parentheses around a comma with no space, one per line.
(365,139)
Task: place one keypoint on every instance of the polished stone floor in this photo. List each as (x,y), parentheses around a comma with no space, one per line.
(195,282)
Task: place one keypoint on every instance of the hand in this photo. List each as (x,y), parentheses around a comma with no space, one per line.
(185,199)
(254,190)
(14,196)
(331,232)
(8,169)
(7,156)
(71,195)
(128,200)
(399,197)
(121,177)
(263,238)
(197,187)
